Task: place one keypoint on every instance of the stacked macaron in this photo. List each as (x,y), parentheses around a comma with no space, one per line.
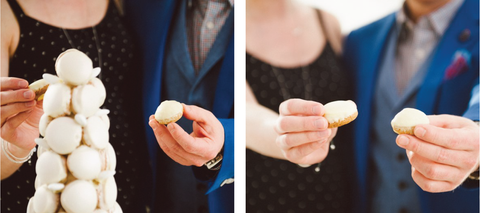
(76,162)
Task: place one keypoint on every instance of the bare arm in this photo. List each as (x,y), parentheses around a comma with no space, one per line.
(18,110)
(260,122)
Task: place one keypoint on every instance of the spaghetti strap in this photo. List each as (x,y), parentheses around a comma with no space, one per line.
(322,25)
(16,8)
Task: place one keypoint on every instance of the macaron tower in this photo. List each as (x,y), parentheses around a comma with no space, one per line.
(76,163)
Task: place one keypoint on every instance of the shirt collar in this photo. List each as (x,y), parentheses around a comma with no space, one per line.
(439,19)
(204,3)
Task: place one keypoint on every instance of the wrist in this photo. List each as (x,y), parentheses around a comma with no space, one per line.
(215,163)
(15,153)
(16,150)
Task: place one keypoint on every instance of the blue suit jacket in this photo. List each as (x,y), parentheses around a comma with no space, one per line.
(364,49)
(151,22)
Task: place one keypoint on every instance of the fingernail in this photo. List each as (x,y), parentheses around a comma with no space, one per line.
(27,94)
(170,126)
(320,124)
(151,123)
(30,103)
(22,84)
(402,140)
(420,131)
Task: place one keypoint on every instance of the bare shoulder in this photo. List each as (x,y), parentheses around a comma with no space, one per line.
(9,39)
(10,29)
(332,25)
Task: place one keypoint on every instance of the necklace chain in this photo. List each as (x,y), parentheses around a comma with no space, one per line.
(307,84)
(97,45)
(70,41)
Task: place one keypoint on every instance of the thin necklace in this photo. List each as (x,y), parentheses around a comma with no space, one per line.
(95,37)
(307,84)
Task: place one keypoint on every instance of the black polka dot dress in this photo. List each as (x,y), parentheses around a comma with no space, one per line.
(110,43)
(280,186)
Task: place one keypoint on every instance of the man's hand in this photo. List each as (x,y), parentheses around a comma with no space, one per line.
(442,153)
(304,136)
(202,145)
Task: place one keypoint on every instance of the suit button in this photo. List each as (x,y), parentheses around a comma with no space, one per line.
(403,210)
(402,185)
(464,35)
(401,156)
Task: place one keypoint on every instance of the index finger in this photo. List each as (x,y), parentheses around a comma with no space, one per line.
(449,138)
(197,114)
(301,107)
(11,83)
(448,121)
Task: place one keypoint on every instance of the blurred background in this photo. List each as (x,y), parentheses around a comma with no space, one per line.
(353,14)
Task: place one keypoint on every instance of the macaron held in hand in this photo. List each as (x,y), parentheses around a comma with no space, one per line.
(169,111)
(405,121)
(195,148)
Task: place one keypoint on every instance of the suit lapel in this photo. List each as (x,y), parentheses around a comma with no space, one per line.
(218,49)
(224,93)
(183,62)
(428,93)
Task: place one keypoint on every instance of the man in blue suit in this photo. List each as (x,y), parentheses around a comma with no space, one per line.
(186,53)
(424,56)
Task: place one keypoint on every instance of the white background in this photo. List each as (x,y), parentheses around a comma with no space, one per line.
(353,14)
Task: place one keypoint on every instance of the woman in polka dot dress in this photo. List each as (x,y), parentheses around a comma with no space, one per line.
(292,52)
(34,33)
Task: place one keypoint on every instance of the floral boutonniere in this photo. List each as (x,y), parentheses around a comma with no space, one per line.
(460,64)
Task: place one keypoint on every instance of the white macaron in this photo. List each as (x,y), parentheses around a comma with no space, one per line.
(44,121)
(406,120)
(56,101)
(107,193)
(100,88)
(85,100)
(103,114)
(117,208)
(63,135)
(51,168)
(45,201)
(79,196)
(108,158)
(96,133)
(84,163)
(30,206)
(74,67)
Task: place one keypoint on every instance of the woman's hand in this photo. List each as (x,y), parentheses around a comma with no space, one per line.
(304,136)
(20,113)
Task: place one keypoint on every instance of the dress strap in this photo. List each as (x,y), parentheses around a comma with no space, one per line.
(322,25)
(16,8)
(333,40)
